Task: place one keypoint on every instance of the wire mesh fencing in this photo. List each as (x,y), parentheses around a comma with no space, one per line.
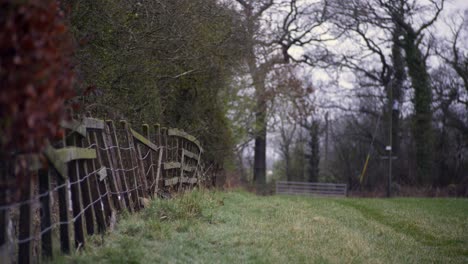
(51,201)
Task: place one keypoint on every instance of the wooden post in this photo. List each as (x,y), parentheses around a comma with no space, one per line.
(139,164)
(181,175)
(158,142)
(63,200)
(151,175)
(165,158)
(6,173)
(101,187)
(26,220)
(118,163)
(177,158)
(86,191)
(96,195)
(133,174)
(98,184)
(104,160)
(77,206)
(46,221)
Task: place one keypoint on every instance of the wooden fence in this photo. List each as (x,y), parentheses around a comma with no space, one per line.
(311,188)
(76,187)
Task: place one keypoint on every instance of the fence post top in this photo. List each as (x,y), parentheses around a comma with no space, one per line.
(124,123)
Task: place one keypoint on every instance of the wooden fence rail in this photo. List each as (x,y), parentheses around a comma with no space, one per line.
(78,185)
(311,188)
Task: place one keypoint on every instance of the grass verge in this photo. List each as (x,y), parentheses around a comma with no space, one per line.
(225,227)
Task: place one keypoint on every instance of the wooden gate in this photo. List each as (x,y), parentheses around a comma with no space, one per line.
(311,188)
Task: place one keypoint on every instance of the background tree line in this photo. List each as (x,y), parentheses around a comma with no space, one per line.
(322,83)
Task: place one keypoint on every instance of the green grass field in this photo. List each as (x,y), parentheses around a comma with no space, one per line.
(239,227)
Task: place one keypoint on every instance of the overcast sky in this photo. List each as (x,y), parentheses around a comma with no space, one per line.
(451,6)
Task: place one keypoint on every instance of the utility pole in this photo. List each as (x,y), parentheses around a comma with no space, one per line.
(326,139)
(390,144)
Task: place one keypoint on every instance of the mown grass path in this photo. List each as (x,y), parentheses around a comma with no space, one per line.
(238,227)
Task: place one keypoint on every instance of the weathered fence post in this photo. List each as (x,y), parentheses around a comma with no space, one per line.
(150,164)
(63,199)
(46,222)
(116,154)
(6,174)
(101,188)
(160,156)
(86,190)
(129,158)
(136,157)
(77,206)
(164,174)
(25,220)
(104,160)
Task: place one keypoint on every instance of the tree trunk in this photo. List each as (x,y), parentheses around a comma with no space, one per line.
(260,157)
(422,126)
(314,158)
(260,132)
(287,166)
(397,87)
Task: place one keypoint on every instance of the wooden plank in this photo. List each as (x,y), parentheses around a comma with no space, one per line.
(143,140)
(141,164)
(112,180)
(176,165)
(46,219)
(25,253)
(171,181)
(74,125)
(183,134)
(93,123)
(63,201)
(188,180)
(86,192)
(142,169)
(151,177)
(133,165)
(182,159)
(6,177)
(100,187)
(116,156)
(59,157)
(189,168)
(158,173)
(164,144)
(158,142)
(102,205)
(190,154)
(171,165)
(95,196)
(77,206)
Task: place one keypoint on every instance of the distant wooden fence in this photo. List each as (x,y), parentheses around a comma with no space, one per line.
(311,188)
(77,185)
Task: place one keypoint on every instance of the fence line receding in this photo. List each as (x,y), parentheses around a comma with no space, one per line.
(77,186)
